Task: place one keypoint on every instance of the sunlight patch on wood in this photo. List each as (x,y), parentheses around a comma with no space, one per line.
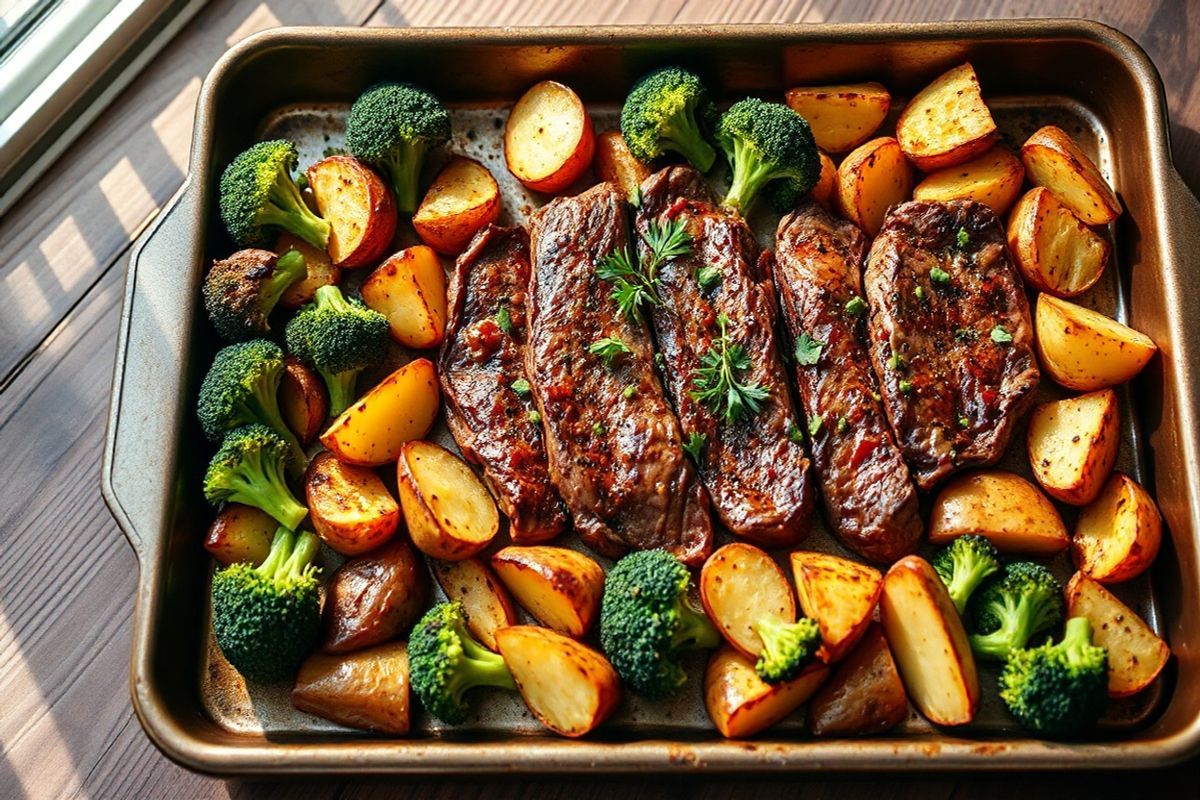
(259,19)
(129,198)
(173,125)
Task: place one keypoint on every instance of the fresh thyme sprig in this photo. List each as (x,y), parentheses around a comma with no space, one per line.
(636,285)
(718,384)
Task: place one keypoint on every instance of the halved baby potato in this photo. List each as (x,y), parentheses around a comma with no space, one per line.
(548,140)
(1001,506)
(741,584)
(842,116)
(561,588)
(410,290)
(368,689)
(614,163)
(374,598)
(485,602)
(358,206)
(826,183)
(1135,654)
(947,122)
(320,271)
(993,179)
(871,180)
(864,695)
(840,595)
(1083,349)
(449,512)
(1073,444)
(1053,159)
(400,408)
(1118,534)
(240,534)
(350,508)
(741,704)
(1054,251)
(303,401)
(462,199)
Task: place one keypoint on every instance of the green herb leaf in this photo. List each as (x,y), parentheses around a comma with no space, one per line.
(939,275)
(815,424)
(667,241)
(794,434)
(694,445)
(896,362)
(504,319)
(843,425)
(962,238)
(522,387)
(708,277)
(718,381)
(597,429)
(877,397)
(963,422)
(635,197)
(1001,336)
(855,306)
(629,392)
(534,417)
(905,387)
(608,349)
(920,293)
(807,350)
(636,286)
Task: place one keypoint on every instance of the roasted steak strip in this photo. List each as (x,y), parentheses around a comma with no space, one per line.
(868,495)
(755,467)
(482,371)
(951,340)
(613,442)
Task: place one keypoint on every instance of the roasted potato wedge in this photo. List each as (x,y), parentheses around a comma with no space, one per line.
(614,163)
(462,199)
(928,642)
(841,117)
(840,595)
(871,180)
(1054,251)
(864,695)
(359,207)
(741,704)
(1073,443)
(1084,350)
(410,290)
(240,534)
(1053,159)
(567,685)
(400,408)
(947,122)
(367,689)
(1003,507)
(548,140)
(374,598)
(561,588)
(993,179)
(741,584)
(1118,534)
(1135,654)
(321,271)
(826,184)
(449,512)
(350,508)
(484,600)
(303,401)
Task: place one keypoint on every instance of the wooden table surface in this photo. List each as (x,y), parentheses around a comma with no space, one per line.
(66,573)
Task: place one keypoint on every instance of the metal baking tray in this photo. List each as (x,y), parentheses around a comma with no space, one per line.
(1085,77)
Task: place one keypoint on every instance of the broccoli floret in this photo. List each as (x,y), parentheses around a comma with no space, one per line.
(646,622)
(258,193)
(241,291)
(784,195)
(266,619)
(339,337)
(1057,689)
(446,662)
(1013,607)
(394,125)
(668,110)
(765,142)
(248,469)
(963,564)
(787,648)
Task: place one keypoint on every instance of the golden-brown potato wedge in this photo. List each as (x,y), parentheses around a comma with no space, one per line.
(358,206)
(929,644)
(402,407)
(840,595)
(1001,506)
(614,163)
(320,271)
(303,401)
(1054,251)
(484,600)
(864,695)
(1135,654)
(871,180)
(1053,159)
(947,122)
(462,199)
(826,184)
(449,512)
(560,587)
(374,598)
(741,584)
(367,689)
(841,117)
(350,508)
(567,685)
(410,290)
(1118,534)
(1073,444)
(548,140)
(1084,350)
(240,534)
(993,179)
(741,704)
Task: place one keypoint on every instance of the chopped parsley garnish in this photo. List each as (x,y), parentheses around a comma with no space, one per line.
(905,387)
(534,417)
(807,350)
(708,277)
(795,435)
(877,397)
(895,362)
(634,285)
(718,381)
(815,424)
(629,392)
(963,422)
(598,429)
(504,319)
(1001,336)
(962,238)
(522,387)
(695,445)
(843,425)
(635,197)
(920,293)
(855,306)
(660,360)
(939,275)
(608,349)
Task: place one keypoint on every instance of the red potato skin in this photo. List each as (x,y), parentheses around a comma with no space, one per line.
(380,213)
(374,598)
(570,170)
(303,400)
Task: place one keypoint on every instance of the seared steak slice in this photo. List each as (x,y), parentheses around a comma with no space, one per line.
(482,371)
(755,467)
(613,442)
(951,339)
(869,498)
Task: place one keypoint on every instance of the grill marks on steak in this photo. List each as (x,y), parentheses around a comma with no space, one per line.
(478,365)
(868,496)
(615,455)
(755,474)
(957,388)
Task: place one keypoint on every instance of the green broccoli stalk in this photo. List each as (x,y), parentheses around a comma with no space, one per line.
(963,564)
(787,648)
(446,662)
(241,291)
(765,142)
(248,469)
(665,110)
(394,125)
(258,193)
(1057,689)
(1012,608)
(266,619)
(339,337)
(646,623)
